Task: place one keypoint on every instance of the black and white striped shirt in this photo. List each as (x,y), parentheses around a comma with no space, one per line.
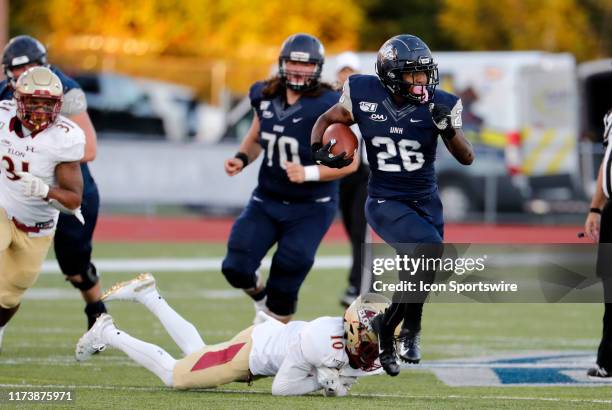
(607,162)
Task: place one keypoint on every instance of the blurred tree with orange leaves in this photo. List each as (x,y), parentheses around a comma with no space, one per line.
(207,28)
(243,35)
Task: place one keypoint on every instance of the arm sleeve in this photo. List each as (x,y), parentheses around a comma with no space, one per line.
(345,99)
(606,172)
(74,102)
(71,146)
(456,111)
(607,128)
(294,377)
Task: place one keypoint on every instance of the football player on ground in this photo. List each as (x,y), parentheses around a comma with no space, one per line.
(72,241)
(295,200)
(327,353)
(40,175)
(400,118)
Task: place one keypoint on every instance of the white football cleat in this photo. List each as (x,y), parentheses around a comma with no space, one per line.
(92,342)
(131,290)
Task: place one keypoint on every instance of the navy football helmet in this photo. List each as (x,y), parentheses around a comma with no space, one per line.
(20,51)
(407,54)
(301,48)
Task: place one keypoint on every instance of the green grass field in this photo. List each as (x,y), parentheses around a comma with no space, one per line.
(39,344)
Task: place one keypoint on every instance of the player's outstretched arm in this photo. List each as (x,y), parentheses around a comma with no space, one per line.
(69,188)
(248,152)
(460,147)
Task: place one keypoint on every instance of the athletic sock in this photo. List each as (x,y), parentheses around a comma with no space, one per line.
(2,328)
(93,310)
(153,357)
(184,334)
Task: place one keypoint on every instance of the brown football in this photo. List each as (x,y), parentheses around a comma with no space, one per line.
(346,140)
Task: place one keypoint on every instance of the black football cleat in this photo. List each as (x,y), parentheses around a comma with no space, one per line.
(598,372)
(410,346)
(387,355)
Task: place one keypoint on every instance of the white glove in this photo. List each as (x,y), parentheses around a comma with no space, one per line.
(32,185)
(329,380)
(348,381)
(76,212)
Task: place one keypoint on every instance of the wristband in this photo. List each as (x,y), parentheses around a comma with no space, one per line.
(595,211)
(448,133)
(243,157)
(311,173)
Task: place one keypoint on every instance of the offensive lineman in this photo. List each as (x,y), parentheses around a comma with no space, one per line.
(295,200)
(40,176)
(400,118)
(327,353)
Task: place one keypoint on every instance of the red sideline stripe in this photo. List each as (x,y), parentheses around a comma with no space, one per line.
(210,359)
(192,229)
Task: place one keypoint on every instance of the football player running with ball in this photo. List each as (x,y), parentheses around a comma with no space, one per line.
(327,353)
(295,200)
(400,116)
(41,151)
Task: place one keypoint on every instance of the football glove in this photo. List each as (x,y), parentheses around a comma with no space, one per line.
(32,186)
(329,379)
(76,212)
(322,156)
(441,116)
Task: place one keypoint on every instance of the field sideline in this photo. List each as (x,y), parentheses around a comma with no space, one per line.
(39,344)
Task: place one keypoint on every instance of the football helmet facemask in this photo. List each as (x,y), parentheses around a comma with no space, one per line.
(302,48)
(39,94)
(407,54)
(22,51)
(361,340)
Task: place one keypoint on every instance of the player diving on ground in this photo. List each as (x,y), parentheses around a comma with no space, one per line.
(327,353)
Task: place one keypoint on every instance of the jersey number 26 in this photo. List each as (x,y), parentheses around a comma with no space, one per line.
(411,159)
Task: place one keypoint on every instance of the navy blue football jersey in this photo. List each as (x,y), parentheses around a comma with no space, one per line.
(400,141)
(74,103)
(285,136)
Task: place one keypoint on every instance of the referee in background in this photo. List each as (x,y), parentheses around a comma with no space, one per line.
(598,227)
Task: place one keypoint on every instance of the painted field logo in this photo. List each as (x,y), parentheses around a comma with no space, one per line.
(546,368)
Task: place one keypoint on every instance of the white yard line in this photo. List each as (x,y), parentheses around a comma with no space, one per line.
(186,264)
(254,391)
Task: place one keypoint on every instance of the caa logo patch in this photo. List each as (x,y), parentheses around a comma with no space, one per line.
(368,106)
(378,117)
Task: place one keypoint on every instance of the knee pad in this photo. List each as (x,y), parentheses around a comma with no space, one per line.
(281,303)
(88,280)
(236,275)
